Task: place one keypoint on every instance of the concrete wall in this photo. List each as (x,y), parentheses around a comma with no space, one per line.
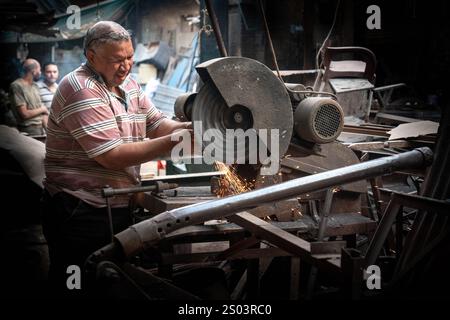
(166,21)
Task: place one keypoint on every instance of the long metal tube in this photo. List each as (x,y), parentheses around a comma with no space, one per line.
(148,232)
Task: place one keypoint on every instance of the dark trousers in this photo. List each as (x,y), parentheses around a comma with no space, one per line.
(74,230)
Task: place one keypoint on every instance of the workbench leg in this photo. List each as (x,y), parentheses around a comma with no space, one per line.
(352,263)
(253,279)
(295,278)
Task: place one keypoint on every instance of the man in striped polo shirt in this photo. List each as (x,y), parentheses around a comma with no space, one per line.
(100,129)
(48,85)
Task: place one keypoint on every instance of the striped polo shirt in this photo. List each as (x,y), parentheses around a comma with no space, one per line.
(45,93)
(87,120)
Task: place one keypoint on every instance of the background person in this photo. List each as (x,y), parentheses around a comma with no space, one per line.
(48,85)
(26,102)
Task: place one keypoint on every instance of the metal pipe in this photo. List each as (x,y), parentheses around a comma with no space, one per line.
(321,235)
(216,28)
(148,232)
(158,187)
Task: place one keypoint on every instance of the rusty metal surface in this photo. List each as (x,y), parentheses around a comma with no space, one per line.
(284,210)
(338,225)
(332,156)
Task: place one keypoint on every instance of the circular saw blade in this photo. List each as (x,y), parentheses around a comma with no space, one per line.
(217,126)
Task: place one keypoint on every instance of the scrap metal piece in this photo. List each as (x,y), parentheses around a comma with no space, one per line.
(332,156)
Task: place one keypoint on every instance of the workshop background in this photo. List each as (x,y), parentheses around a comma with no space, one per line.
(393,212)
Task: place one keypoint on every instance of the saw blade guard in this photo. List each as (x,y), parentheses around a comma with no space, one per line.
(242,100)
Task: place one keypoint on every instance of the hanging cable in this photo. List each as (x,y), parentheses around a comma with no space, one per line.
(269,38)
(328,35)
(274,57)
(216,28)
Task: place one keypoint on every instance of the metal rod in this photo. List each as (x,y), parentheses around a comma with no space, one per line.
(269,39)
(159,186)
(148,232)
(325,213)
(110,222)
(321,234)
(383,229)
(216,28)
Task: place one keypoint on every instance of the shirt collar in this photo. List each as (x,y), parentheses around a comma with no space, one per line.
(42,84)
(94,73)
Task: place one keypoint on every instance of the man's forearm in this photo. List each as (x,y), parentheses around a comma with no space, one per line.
(168,126)
(131,154)
(31,113)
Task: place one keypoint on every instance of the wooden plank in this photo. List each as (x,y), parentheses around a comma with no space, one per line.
(239,246)
(377,145)
(277,236)
(327,247)
(366,131)
(388,118)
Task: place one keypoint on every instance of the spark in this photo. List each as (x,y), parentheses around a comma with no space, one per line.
(230,183)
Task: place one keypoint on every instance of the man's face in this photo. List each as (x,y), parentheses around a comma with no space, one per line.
(51,73)
(113,61)
(36,72)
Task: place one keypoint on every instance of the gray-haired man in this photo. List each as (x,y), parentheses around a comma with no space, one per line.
(101,128)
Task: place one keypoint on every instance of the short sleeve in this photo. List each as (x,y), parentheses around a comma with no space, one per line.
(16,95)
(154,116)
(91,122)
